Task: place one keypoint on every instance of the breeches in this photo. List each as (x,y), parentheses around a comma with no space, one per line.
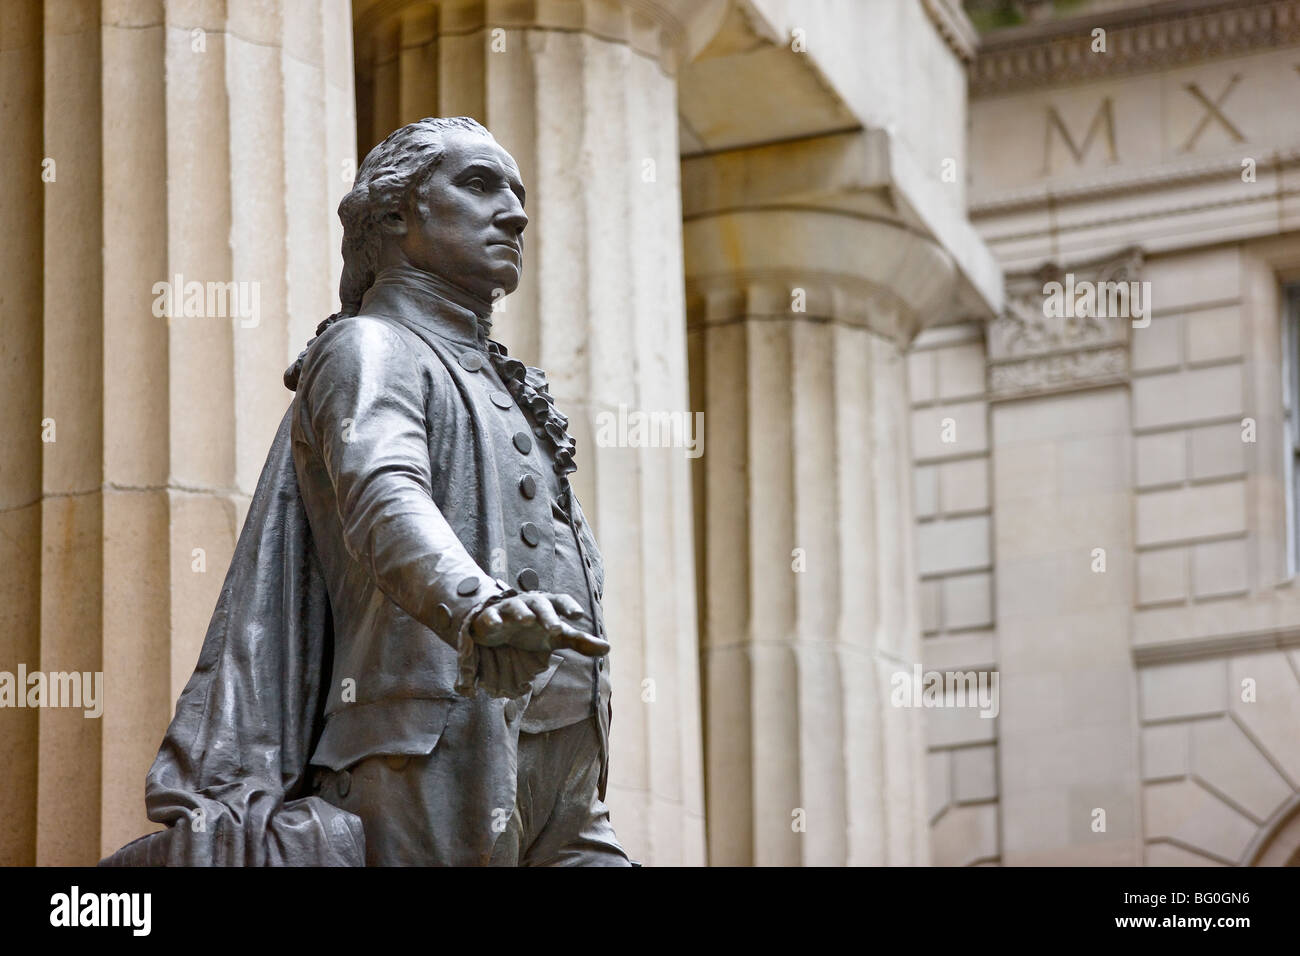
(413,812)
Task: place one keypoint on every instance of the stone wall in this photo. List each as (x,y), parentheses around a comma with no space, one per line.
(952,501)
(1144,612)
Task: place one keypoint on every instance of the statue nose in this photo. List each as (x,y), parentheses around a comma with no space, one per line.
(514,220)
(513,217)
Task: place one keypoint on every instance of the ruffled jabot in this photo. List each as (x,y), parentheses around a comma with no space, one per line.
(529,387)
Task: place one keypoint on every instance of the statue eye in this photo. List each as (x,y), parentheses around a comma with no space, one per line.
(477,184)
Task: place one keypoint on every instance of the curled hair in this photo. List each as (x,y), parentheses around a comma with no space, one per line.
(388,173)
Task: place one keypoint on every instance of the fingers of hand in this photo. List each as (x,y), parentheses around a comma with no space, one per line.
(487,620)
(581,641)
(566,605)
(532,621)
(515,611)
(545,612)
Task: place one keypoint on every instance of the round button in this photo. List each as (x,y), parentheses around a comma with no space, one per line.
(398,761)
(528,486)
(467,587)
(344,783)
(528,580)
(501,400)
(528,531)
(524,442)
(471,361)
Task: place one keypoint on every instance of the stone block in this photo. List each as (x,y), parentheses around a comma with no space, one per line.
(1025,471)
(1187,812)
(1218,452)
(1094,463)
(1188,396)
(1162,576)
(970,649)
(967,601)
(920,376)
(1169,854)
(1264,694)
(1191,279)
(957,544)
(1182,514)
(937,778)
(1161,458)
(1165,751)
(974,774)
(1157,346)
(954,726)
(965,423)
(1220,568)
(1213,334)
(925,491)
(961,371)
(964,485)
(1102,411)
(1186,689)
(1224,757)
(931,614)
(964,835)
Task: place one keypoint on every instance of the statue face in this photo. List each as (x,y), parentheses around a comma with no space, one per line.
(466,224)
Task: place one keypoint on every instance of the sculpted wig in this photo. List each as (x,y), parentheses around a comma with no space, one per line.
(389,172)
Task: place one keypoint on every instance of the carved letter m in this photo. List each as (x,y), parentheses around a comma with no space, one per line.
(1103,119)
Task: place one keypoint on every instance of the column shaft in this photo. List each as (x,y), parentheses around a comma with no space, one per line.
(583,96)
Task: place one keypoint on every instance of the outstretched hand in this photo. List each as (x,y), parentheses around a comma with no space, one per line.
(535,621)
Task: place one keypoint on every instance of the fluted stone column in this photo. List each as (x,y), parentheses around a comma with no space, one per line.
(21,250)
(209,139)
(799,314)
(583,95)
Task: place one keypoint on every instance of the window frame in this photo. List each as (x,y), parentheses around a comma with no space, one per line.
(1291,421)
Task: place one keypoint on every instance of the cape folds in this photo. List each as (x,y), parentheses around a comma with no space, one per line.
(230,780)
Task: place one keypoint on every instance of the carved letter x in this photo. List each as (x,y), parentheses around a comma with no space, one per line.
(1212,111)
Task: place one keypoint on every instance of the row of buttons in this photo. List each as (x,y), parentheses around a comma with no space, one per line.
(527,579)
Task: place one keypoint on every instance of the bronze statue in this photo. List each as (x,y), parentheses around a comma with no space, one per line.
(407,664)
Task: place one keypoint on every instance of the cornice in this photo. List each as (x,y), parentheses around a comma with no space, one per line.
(1152,37)
(1215,645)
(954,26)
(1113,184)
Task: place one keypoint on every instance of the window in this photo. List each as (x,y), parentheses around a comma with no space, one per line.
(1291,420)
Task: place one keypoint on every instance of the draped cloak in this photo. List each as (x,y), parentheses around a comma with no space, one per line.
(231,778)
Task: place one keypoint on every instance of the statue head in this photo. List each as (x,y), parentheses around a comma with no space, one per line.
(440,196)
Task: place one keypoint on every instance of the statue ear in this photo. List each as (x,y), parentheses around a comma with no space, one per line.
(393,223)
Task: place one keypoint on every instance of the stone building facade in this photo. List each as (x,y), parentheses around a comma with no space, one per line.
(1113,531)
(826,225)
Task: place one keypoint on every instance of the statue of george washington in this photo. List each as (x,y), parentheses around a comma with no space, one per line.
(407,663)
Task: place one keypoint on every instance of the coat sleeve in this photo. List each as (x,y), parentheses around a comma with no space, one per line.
(366,396)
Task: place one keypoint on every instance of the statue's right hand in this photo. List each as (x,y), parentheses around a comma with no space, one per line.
(535,621)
